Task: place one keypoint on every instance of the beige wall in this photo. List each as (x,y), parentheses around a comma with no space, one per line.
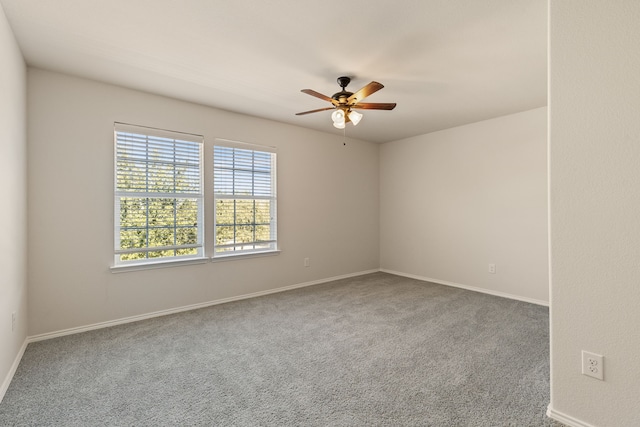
(327,207)
(595,209)
(13,174)
(454,201)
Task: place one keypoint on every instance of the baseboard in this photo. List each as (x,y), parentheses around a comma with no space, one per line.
(566,419)
(86,328)
(14,367)
(469,288)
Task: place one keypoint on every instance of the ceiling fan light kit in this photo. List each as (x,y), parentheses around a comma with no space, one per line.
(341,116)
(344,103)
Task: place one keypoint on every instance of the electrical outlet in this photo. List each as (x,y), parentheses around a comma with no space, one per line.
(492,268)
(13,321)
(306,262)
(593,365)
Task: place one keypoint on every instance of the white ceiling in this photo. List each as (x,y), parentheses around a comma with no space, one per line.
(444,62)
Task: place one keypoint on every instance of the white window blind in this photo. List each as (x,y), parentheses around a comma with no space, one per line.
(158,195)
(244,198)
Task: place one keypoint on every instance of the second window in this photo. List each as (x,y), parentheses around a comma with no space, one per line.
(244,198)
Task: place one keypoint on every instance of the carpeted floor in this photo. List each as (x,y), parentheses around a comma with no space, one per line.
(375,350)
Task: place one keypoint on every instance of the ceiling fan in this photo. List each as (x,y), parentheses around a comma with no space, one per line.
(345,103)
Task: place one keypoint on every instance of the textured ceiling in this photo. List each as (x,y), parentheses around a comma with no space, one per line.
(444,62)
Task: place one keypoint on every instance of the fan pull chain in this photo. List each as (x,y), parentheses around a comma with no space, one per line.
(344,135)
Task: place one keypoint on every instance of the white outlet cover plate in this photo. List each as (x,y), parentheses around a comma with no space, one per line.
(593,365)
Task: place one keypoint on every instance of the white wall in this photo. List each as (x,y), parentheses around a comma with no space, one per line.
(13,174)
(595,208)
(454,201)
(327,206)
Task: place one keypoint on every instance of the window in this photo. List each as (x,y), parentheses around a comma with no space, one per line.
(158,195)
(244,187)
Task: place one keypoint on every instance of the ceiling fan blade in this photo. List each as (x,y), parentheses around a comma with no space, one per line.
(372,87)
(314,111)
(319,95)
(375,106)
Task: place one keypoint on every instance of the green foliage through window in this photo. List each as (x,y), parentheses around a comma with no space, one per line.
(158,195)
(245,200)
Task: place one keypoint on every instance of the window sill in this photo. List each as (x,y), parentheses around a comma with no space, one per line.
(158,264)
(218,258)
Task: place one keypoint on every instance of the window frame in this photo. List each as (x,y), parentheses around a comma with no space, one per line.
(184,139)
(272,243)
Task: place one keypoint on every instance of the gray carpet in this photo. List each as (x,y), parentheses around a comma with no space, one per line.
(375,350)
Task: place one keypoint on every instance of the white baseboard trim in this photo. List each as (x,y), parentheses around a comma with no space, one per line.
(7,380)
(86,328)
(469,288)
(566,419)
